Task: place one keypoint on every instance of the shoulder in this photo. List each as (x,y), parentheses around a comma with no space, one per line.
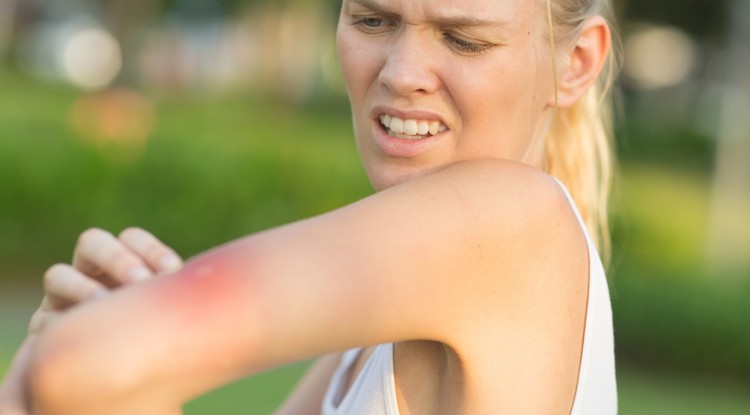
(500,192)
(520,288)
(525,214)
(504,235)
(512,211)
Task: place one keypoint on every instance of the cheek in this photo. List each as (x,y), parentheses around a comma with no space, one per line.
(499,114)
(359,66)
(501,99)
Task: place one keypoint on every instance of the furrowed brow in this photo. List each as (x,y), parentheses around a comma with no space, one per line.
(457,20)
(372,6)
(466,21)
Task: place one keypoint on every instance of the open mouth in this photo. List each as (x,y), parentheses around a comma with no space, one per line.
(411,129)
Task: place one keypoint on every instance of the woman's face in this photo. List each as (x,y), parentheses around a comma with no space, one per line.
(433,82)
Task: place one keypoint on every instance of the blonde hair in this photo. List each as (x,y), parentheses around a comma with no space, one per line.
(578,145)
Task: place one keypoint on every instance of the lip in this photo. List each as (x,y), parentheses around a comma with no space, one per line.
(398,147)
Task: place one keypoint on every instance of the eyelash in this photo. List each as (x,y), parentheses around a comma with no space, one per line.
(458,44)
(362,23)
(464,45)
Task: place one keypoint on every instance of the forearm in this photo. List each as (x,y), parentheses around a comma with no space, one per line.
(149,348)
(125,354)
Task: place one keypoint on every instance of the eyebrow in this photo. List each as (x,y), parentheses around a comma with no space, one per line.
(459,20)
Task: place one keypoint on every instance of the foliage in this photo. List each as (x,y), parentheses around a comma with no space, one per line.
(211,171)
(701,18)
(680,322)
(670,310)
(256,395)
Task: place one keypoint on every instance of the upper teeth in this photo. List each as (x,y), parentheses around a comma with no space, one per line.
(412,127)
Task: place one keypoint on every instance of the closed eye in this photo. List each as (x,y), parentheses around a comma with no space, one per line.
(466,46)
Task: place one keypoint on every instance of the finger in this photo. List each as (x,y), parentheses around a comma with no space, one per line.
(13,393)
(100,255)
(41,320)
(66,285)
(154,252)
(50,303)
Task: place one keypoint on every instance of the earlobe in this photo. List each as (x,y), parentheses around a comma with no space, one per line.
(585,61)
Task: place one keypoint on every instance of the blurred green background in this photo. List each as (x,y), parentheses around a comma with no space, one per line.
(206,120)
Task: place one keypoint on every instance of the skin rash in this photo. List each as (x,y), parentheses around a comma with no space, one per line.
(206,287)
(221,293)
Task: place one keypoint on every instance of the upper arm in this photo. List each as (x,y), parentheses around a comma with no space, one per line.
(412,262)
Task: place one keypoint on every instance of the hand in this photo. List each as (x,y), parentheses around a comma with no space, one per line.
(101,263)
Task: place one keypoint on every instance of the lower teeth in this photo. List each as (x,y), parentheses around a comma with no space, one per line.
(404,136)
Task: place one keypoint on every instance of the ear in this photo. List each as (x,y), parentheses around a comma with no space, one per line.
(584,62)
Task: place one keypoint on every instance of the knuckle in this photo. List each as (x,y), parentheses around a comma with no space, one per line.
(91,236)
(121,261)
(155,251)
(131,233)
(52,275)
(145,244)
(36,322)
(39,321)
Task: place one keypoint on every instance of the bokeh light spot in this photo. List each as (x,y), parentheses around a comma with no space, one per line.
(118,120)
(658,57)
(92,58)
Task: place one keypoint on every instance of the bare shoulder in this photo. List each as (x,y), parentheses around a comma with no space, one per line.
(506,182)
(537,245)
(508,295)
(504,192)
(500,233)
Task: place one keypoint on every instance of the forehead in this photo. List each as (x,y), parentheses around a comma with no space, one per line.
(504,12)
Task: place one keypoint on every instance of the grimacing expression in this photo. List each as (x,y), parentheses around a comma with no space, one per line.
(433,82)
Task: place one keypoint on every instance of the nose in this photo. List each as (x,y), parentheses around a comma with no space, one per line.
(408,68)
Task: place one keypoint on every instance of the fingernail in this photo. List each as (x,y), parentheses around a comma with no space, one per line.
(170,263)
(137,274)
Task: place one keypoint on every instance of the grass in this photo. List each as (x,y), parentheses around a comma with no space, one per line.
(239,164)
(257,395)
(644,392)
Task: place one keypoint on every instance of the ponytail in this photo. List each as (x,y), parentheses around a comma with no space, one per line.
(579,154)
(578,148)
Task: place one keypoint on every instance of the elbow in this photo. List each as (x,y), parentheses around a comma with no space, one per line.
(65,378)
(49,386)
(50,381)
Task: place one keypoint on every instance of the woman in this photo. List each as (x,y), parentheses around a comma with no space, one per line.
(468,284)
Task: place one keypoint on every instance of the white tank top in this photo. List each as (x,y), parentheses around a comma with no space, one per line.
(374,390)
